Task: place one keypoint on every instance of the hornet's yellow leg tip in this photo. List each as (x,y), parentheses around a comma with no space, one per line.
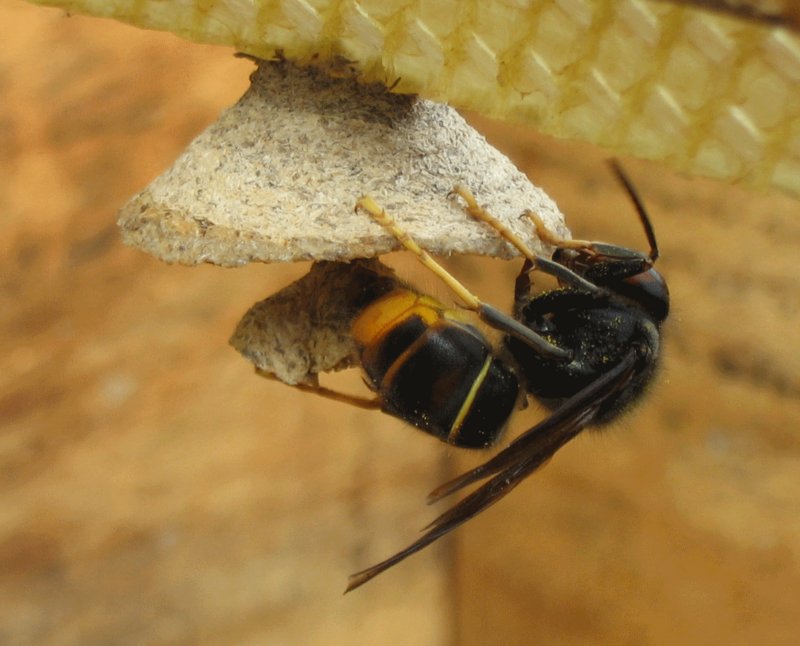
(366,203)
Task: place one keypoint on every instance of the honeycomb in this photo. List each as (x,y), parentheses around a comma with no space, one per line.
(707,93)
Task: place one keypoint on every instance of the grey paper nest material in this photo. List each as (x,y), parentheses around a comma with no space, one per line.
(305,329)
(276,178)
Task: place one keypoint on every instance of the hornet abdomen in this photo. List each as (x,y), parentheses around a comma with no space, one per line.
(434,370)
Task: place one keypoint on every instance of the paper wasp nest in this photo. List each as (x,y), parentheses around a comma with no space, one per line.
(276,178)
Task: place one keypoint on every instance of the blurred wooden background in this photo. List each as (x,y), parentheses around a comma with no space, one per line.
(153,491)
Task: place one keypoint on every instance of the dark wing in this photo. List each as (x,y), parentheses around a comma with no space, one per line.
(513,464)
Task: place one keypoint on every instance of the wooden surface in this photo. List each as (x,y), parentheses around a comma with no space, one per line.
(153,491)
